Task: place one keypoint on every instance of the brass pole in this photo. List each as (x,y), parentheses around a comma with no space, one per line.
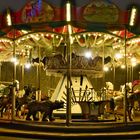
(38,71)
(132,73)
(68,42)
(68,109)
(103,57)
(37,75)
(0,70)
(14,78)
(114,74)
(126,71)
(39,68)
(22,76)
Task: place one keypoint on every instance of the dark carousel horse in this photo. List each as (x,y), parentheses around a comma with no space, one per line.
(46,107)
(132,98)
(6,100)
(27,97)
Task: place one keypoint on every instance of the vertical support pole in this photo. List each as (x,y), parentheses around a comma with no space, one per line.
(68,42)
(114,74)
(22,76)
(103,57)
(0,70)
(132,73)
(14,78)
(126,71)
(68,108)
(103,82)
(39,76)
(39,68)
(127,76)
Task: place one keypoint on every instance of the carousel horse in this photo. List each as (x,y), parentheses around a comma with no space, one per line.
(116,106)
(6,99)
(27,97)
(46,107)
(132,98)
(116,99)
(116,102)
(56,61)
(136,91)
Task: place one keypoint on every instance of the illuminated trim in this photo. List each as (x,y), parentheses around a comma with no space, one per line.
(133,16)
(8,18)
(68,11)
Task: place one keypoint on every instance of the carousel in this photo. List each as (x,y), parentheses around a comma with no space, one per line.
(61,54)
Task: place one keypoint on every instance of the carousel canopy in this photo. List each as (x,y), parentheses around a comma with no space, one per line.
(101,26)
(98,13)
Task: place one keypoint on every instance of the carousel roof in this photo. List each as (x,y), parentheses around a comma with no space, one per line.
(97,25)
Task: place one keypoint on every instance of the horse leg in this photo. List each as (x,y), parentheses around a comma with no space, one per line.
(28,116)
(138,105)
(50,116)
(129,110)
(116,116)
(115,113)
(45,117)
(112,108)
(129,114)
(8,110)
(34,116)
(3,109)
(1,112)
(17,110)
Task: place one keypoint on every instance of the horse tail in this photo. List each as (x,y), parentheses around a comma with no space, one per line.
(112,104)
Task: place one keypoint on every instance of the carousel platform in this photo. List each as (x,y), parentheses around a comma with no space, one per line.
(76,130)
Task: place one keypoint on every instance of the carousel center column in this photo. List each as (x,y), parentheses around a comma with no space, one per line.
(68,42)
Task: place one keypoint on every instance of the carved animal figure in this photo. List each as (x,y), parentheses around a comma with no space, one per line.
(132,98)
(45,107)
(6,100)
(116,104)
(27,97)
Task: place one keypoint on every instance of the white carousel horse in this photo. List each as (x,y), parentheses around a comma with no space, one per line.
(136,90)
(5,99)
(116,100)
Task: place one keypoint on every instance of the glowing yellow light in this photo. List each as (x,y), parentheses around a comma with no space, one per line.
(88,54)
(133,16)
(68,11)
(118,55)
(13,59)
(122,66)
(133,59)
(70,29)
(27,65)
(8,18)
(106,68)
(24,31)
(134,64)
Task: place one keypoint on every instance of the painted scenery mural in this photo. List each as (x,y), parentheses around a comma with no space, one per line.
(37,11)
(101,11)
